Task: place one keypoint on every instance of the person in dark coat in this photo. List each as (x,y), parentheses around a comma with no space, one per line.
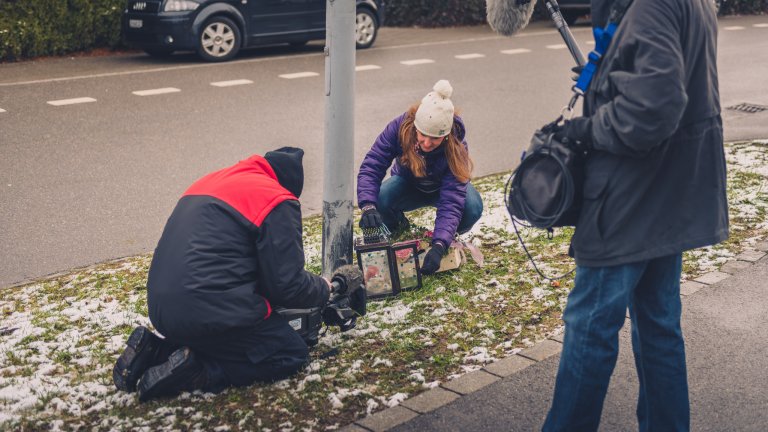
(655,186)
(230,253)
(432,167)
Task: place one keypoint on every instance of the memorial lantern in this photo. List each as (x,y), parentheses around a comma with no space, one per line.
(388,268)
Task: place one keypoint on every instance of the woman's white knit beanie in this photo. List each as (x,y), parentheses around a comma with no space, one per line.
(435,114)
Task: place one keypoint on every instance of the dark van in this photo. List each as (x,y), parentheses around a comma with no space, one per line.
(218,29)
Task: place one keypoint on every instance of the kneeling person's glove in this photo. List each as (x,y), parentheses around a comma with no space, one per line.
(576,133)
(371,217)
(348,300)
(432,258)
(350,281)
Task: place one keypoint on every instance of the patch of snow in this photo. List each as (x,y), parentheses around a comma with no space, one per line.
(479,355)
(378,361)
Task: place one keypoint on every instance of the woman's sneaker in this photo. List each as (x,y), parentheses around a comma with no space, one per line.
(138,356)
(182,372)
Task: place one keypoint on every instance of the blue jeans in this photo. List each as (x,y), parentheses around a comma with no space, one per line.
(397,196)
(593,317)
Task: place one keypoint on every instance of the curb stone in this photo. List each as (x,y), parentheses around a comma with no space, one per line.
(689,287)
(471,382)
(352,428)
(559,337)
(430,400)
(751,256)
(542,350)
(732,267)
(508,366)
(387,419)
(712,277)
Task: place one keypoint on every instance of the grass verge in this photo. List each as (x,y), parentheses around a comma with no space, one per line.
(59,337)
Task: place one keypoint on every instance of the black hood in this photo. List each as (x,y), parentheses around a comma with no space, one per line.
(286,162)
(601,10)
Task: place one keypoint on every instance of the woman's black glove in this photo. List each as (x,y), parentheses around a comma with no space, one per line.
(432,258)
(371,217)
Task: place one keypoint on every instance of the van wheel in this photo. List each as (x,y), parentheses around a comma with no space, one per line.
(366,29)
(219,40)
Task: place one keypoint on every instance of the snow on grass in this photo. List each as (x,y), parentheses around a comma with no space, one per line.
(60,337)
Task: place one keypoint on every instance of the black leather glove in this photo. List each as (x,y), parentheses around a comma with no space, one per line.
(576,133)
(371,217)
(432,258)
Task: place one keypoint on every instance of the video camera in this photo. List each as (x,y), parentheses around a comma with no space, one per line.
(346,303)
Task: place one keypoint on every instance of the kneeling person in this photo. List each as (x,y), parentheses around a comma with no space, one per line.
(230,253)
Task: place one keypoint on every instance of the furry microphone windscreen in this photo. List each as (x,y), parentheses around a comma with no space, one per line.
(507,17)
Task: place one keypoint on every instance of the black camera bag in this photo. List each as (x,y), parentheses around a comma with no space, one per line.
(545,189)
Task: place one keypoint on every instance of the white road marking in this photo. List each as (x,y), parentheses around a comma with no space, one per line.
(469,56)
(761,25)
(73,101)
(733,28)
(366,67)
(157,91)
(231,83)
(299,75)
(417,62)
(590,42)
(2,110)
(557,46)
(516,51)
(576,31)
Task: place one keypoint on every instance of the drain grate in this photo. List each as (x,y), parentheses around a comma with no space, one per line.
(748,108)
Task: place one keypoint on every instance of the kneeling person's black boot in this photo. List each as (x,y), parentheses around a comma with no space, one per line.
(182,372)
(141,352)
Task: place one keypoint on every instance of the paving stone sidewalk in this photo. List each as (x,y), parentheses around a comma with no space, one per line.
(726,329)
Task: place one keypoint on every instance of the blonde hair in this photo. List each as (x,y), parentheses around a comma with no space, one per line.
(457,155)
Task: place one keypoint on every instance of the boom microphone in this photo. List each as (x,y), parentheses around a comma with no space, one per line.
(507,17)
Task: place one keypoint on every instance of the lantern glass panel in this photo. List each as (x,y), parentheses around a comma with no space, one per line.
(376,274)
(407,267)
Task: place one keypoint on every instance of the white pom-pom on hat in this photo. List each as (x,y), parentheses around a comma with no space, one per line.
(443,88)
(435,114)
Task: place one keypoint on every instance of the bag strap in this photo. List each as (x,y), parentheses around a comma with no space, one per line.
(603,37)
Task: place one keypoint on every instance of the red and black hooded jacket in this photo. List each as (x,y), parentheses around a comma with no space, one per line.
(232,250)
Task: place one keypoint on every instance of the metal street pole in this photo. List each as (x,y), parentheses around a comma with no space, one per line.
(339,134)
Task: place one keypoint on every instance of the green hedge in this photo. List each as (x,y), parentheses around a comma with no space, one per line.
(434,13)
(30,28)
(442,13)
(744,7)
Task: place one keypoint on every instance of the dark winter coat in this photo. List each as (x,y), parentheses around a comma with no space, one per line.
(655,184)
(230,252)
(438,177)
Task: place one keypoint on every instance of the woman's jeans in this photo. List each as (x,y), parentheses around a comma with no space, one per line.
(593,317)
(397,196)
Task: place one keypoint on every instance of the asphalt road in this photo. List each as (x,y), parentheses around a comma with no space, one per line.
(81,183)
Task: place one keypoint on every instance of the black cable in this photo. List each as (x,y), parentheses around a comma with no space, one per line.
(561,209)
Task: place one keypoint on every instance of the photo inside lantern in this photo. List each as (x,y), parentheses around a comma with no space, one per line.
(388,268)
(377,276)
(407,264)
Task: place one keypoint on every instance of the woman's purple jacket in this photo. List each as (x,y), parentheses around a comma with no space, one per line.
(450,205)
